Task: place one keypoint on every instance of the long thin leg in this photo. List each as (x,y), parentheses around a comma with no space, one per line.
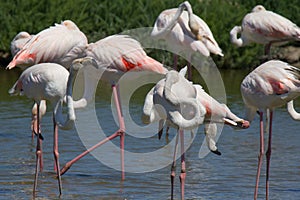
(261,152)
(69,164)
(173,167)
(38,153)
(121,128)
(183,171)
(56,154)
(120,132)
(268,155)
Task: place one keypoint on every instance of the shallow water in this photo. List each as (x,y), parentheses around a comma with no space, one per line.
(229,176)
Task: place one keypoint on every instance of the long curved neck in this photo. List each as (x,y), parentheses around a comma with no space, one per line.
(91,76)
(233,36)
(163,31)
(90,85)
(291,110)
(69,122)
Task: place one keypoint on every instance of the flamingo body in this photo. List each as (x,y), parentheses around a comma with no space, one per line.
(43,81)
(271,85)
(60,44)
(264,27)
(121,53)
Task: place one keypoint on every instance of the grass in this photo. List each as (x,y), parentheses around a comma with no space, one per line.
(98,19)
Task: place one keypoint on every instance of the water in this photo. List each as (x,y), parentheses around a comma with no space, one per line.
(226,177)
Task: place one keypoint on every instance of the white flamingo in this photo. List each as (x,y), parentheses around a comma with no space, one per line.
(52,82)
(185,32)
(186,106)
(270,85)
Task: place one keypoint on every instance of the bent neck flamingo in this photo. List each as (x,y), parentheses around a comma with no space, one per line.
(264,27)
(185,32)
(186,106)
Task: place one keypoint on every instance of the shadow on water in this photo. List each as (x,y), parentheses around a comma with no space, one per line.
(229,176)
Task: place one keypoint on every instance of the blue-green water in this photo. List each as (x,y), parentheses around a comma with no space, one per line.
(230,176)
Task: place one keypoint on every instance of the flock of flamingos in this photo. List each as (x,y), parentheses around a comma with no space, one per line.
(56,54)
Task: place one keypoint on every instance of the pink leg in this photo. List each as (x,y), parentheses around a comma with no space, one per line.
(38,155)
(121,128)
(173,167)
(260,157)
(120,132)
(56,155)
(268,155)
(183,171)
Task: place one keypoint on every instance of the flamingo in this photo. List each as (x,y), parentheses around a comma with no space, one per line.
(49,81)
(185,106)
(185,32)
(264,27)
(270,85)
(60,44)
(115,55)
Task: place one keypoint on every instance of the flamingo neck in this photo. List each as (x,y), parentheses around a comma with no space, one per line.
(69,122)
(233,36)
(162,32)
(291,110)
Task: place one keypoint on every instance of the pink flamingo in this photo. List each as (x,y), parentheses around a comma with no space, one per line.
(185,32)
(186,106)
(264,27)
(270,85)
(116,55)
(60,44)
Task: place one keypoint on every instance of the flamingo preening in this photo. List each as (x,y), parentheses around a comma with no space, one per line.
(185,32)
(270,85)
(186,106)
(264,27)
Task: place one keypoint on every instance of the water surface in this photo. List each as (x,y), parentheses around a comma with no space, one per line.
(227,177)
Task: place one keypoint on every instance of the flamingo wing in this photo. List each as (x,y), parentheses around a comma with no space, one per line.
(123,53)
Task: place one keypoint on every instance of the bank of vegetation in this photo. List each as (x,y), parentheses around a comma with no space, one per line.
(98,19)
